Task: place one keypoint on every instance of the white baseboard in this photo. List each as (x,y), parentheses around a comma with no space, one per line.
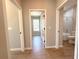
(28,49)
(15,49)
(19,49)
(50,47)
(53,46)
(61,46)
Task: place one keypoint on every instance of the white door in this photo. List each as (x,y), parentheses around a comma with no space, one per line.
(21,29)
(61,27)
(14,29)
(43,27)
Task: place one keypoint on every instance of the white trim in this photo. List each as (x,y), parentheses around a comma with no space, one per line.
(19,49)
(53,46)
(76,52)
(57,22)
(50,47)
(31,24)
(30,29)
(21,28)
(60,46)
(15,49)
(28,49)
(57,28)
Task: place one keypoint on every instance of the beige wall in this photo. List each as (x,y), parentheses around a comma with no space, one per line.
(19,2)
(50,6)
(3,37)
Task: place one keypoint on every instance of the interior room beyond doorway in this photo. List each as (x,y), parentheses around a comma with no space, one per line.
(37,29)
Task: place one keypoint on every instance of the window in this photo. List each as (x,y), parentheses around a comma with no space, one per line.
(36,24)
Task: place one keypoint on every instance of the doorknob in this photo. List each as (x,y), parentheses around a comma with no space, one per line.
(44,41)
(44,28)
(58,31)
(20,33)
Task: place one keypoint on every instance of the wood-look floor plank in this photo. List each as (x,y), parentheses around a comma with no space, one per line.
(66,52)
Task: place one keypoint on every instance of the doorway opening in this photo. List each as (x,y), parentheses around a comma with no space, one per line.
(37,28)
(67,28)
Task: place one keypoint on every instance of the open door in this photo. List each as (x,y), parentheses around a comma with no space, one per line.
(15,28)
(21,29)
(61,27)
(43,27)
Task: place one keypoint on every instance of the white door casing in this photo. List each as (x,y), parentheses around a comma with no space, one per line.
(30,23)
(57,22)
(21,28)
(76,52)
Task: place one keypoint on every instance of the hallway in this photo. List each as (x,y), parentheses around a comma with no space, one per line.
(39,52)
(37,43)
(15,30)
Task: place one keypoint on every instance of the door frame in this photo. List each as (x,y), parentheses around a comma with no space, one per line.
(57,22)
(76,52)
(21,28)
(77,27)
(30,24)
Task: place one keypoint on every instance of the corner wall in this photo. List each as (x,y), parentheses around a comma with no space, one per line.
(4,53)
